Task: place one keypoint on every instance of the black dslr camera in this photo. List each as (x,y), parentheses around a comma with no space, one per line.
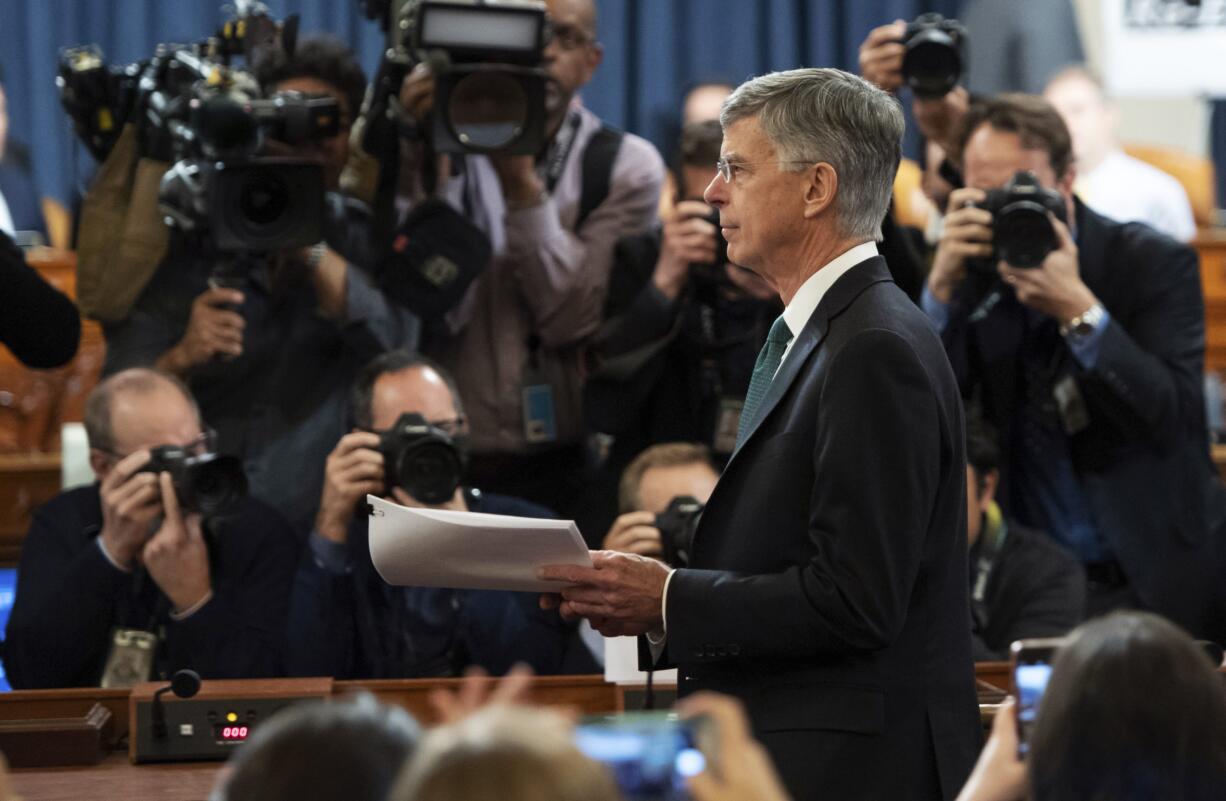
(677,525)
(421,459)
(935,55)
(206,483)
(1022,234)
(713,272)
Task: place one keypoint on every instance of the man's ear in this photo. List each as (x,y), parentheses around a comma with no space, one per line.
(99,462)
(820,189)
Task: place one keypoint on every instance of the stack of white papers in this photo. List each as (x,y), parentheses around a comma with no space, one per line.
(469,550)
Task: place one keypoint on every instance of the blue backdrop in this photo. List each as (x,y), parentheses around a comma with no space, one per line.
(654,49)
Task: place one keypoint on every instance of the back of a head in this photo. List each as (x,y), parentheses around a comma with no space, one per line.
(1133,712)
(350,750)
(503,754)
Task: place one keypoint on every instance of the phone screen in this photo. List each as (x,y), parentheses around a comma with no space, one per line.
(1031,672)
(650,756)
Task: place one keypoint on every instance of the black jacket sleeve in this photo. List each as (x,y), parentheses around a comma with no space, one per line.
(322,635)
(58,633)
(38,323)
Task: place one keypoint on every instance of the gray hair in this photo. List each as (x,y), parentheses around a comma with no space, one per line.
(815,115)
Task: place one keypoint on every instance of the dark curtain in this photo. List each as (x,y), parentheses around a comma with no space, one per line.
(654,50)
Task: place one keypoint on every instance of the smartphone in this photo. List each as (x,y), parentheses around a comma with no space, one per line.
(1031,661)
(650,754)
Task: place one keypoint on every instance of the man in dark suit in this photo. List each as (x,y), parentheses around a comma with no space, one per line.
(827,586)
(1090,368)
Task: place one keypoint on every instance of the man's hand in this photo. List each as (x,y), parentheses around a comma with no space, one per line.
(940,118)
(130,503)
(1054,287)
(213,329)
(521,186)
(620,594)
(417,93)
(967,234)
(881,56)
(741,768)
(478,690)
(635,532)
(688,237)
(998,775)
(354,470)
(176,556)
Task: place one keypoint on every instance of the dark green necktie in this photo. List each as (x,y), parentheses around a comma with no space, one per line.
(763,371)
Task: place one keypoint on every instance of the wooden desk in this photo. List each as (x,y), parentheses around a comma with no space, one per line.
(116,778)
(1210,244)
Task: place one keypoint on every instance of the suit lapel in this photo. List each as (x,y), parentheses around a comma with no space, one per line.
(837,298)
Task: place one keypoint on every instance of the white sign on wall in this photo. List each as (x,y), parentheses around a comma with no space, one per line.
(1164,48)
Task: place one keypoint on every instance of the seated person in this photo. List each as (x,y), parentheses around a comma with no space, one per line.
(345,621)
(271,360)
(1133,711)
(350,749)
(125,561)
(1023,584)
(1109,180)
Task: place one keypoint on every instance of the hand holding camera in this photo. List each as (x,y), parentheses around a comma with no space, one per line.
(1054,287)
(354,470)
(176,556)
(690,237)
(214,329)
(634,532)
(881,55)
(131,501)
(967,235)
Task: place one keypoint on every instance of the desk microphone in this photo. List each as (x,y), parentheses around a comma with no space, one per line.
(184,683)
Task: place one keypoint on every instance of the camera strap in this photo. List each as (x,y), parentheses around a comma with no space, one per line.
(559,150)
(995,529)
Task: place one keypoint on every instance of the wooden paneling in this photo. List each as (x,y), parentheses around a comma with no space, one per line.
(27,480)
(1211,247)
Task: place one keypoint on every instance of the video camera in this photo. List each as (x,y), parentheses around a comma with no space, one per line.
(1022,234)
(677,525)
(207,483)
(490,90)
(421,459)
(191,106)
(935,55)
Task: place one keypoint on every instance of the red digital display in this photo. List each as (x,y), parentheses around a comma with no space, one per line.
(231,733)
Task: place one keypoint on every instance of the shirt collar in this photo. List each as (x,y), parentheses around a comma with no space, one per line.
(811,292)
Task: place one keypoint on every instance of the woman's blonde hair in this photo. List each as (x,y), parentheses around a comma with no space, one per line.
(503,754)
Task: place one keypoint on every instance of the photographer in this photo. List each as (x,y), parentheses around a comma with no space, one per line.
(515,342)
(271,360)
(127,580)
(683,329)
(1088,364)
(345,620)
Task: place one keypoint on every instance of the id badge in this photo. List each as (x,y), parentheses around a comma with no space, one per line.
(1074,414)
(130,660)
(727,422)
(540,420)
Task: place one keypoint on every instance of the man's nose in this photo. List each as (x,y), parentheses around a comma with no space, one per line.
(715,193)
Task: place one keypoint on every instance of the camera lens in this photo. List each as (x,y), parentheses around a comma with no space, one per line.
(429,471)
(487,110)
(1024,235)
(264,199)
(213,484)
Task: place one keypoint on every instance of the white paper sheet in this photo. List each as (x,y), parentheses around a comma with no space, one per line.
(469,550)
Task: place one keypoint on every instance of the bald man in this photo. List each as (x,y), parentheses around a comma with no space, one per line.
(120,582)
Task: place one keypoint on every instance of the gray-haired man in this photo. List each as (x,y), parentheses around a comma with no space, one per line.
(827,586)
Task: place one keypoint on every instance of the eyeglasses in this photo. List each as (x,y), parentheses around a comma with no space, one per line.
(206,442)
(730,169)
(449,427)
(569,37)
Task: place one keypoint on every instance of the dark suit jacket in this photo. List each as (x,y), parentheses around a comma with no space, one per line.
(1143,461)
(828,585)
(1035,589)
(17,186)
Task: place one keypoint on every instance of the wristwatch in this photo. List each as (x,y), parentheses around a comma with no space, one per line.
(1085,323)
(315,255)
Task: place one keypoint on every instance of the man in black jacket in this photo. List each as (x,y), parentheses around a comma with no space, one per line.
(119,583)
(346,621)
(1090,367)
(1022,583)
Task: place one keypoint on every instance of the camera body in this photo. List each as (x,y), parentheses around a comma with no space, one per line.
(207,483)
(650,754)
(677,525)
(1022,234)
(1031,665)
(713,272)
(490,91)
(421,459)
(935,55)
